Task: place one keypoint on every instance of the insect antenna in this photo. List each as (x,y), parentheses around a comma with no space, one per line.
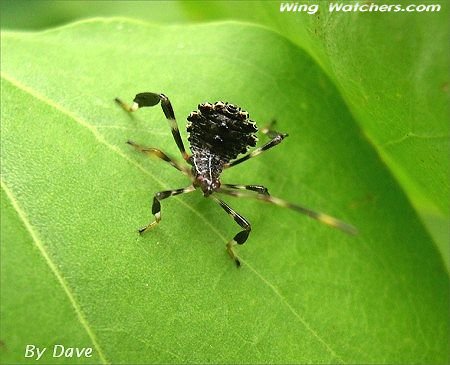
(321,217)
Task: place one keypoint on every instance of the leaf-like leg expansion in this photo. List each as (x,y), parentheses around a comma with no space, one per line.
(156,206)
(150,151)
(321,217)
(241,236)
(147,99)
(258,188)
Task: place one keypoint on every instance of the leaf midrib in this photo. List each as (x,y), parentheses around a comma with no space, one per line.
(59,276)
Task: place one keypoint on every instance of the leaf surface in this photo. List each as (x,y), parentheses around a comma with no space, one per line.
(391,68)
(74,194)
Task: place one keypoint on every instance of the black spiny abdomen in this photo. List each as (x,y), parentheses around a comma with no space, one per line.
(222,129)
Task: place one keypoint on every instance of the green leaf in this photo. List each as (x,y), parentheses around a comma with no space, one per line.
(391,69)
(366,54)
(74,194)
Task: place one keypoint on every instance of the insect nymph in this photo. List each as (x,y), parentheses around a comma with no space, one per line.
(218,134)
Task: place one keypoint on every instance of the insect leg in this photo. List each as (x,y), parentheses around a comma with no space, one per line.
(276,139)
(160,154)
(258,188)
(156,206)
(147,99)
(269,131)
(321,217)
(241,236)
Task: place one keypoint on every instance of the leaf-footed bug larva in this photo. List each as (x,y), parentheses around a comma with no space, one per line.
(218,134)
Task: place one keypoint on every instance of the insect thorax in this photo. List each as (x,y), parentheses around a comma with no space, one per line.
(218,133)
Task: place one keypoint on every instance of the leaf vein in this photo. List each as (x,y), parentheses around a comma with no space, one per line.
(117,150)
(67,290)
(293,311)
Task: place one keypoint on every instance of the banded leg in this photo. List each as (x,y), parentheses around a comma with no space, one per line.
(276,138)
(258,188)
(147,99)
(321,217)
(156,206)
(150,151)
(241,236)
